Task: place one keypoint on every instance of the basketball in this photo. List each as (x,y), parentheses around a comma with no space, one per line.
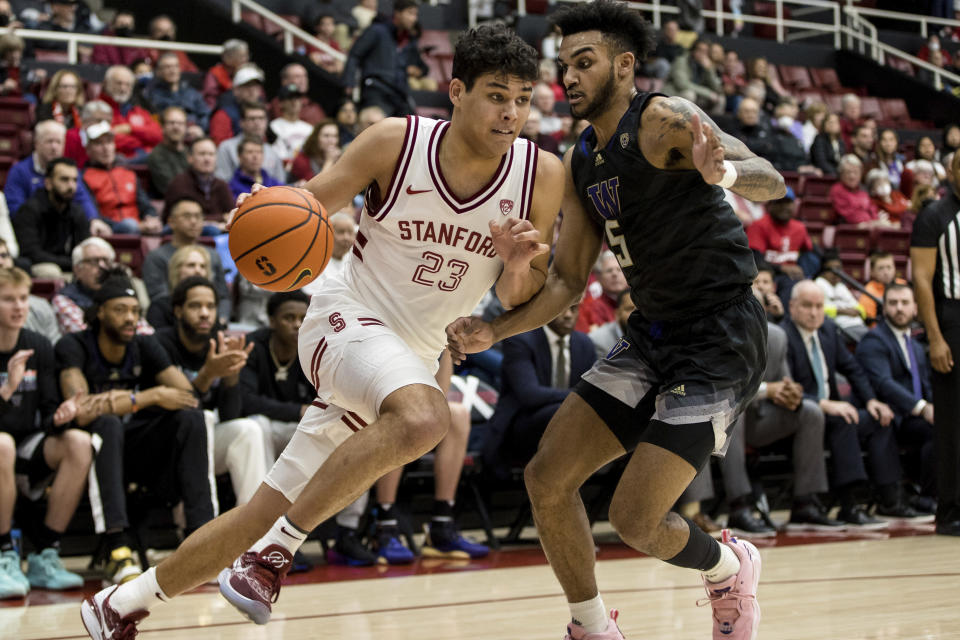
(281,239)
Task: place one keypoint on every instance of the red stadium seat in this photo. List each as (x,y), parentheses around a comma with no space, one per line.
(826,79)
(10,140)
(793,179)
(855,266)
(834,102)
(902,266)
(895,110)
(15,111)
(816,210)
(817,186)
(895,241)
(904,66)
(795,78)
(129,249)
(437,50)
(6,163)
(851,241)
(870,108)
(815,231)
(46,287)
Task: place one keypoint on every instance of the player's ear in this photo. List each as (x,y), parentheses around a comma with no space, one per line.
(625,64)
(457,91)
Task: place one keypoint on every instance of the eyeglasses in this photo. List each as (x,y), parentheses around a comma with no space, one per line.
(96,261)
(4,255)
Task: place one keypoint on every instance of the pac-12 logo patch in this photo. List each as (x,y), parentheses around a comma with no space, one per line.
(506,206)
(624,140)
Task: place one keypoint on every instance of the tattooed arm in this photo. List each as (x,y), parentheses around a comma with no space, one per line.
(676,134)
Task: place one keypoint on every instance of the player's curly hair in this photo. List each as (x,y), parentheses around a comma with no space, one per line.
(624,28)
(493,48)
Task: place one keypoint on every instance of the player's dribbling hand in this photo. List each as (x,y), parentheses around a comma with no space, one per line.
(707,151)
(516,241)
(240,198)
(468,335)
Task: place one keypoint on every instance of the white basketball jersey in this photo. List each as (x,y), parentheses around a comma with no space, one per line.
(425,257)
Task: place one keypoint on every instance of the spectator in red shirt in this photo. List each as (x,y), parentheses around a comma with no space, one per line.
(890,203)
(933,44)
(136,131)
(219,79)
(779,239)
(850,200)
(595,311)
(247,87)
(122,26)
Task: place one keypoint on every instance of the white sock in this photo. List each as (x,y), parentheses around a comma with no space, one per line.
(139,594)
(590,614)
(283,533)
(728,566)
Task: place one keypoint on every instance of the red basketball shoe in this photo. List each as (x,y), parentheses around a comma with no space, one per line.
(252,584)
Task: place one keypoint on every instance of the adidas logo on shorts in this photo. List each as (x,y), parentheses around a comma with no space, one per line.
(678,390)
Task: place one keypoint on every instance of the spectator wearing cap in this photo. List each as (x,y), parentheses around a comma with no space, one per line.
(247,87)
(291,131)
(29,174)
(50,224)
(75,143)
(219,79)
(169,158)
(250,170)
(122,202)
(374,60)
(199,183)
(167,89)
(253,124)
(780,240)
(310,112)
(137,133)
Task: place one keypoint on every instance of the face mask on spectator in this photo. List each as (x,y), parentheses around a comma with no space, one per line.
(934,46)
(883,190)
(785,122)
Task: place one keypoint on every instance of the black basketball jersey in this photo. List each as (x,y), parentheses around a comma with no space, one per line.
(681,247)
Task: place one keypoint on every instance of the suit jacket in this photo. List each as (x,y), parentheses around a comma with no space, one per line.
(528,379)
(836,357)
(880,355)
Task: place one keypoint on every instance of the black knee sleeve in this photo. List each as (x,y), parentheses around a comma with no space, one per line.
(701,551)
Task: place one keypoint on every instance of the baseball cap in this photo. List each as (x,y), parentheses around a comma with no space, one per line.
(99,129)
(289,91)
(789,195)
(247,73)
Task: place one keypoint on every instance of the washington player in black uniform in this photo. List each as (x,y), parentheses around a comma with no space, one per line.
(644,177)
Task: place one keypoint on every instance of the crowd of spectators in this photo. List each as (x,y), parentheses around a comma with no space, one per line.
(145,367)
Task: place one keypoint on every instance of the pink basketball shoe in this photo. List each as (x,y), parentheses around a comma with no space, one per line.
(612,632)
(252,584)
(736,613)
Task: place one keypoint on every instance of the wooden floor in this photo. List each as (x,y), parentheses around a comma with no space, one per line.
(876,589)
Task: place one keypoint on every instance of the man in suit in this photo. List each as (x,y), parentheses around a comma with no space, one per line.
(538,369)
(815,354)
(900,372)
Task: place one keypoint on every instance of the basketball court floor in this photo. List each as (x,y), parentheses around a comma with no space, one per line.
(897,585)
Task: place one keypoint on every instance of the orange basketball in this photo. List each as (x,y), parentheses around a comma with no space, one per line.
(281,239)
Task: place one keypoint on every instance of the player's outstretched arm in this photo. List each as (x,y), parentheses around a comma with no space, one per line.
(524,245)
(371,156)
(687,138)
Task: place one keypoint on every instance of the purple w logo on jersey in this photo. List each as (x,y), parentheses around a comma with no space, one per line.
(606,197)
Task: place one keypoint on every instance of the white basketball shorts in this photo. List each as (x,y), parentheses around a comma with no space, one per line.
(354,361)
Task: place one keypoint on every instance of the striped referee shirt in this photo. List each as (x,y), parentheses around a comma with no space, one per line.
(938,227)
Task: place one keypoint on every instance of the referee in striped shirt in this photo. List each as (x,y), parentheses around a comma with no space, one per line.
(935,254)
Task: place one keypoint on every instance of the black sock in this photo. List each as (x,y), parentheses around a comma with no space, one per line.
(387,516)
(701,551)
(442,511)
(116,539)
(848,496)
(45,538)
(6,542)
(799,502)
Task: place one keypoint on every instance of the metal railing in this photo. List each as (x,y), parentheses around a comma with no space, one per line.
(922,20)
(74,40)
(290,30)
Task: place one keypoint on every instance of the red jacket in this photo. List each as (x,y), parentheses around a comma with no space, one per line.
(146,133)
(73,148)
(595,312)
(218,81)
(853,207)
(115,192)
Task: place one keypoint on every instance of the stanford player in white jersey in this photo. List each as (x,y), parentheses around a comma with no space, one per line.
(450,210)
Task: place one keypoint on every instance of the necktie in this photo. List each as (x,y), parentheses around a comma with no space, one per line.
(561,379)
(817,363)
(914,369)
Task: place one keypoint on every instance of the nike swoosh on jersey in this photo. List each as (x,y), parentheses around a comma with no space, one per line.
(411,191)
